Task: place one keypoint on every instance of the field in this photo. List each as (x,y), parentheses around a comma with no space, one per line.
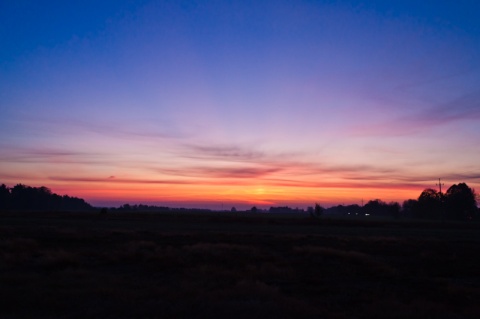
(188,265)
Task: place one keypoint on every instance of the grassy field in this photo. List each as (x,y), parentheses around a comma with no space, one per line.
(235,266)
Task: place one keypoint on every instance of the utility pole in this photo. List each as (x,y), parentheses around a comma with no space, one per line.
(440,185)
(442,209)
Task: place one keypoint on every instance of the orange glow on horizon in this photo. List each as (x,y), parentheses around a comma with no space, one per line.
(146,102)
(262,195)
(238,185)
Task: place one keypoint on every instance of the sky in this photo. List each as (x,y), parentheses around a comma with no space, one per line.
(214,104)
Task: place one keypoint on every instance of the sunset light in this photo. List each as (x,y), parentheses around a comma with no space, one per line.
(222,104)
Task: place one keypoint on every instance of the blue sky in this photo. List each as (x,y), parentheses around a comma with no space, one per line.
(260,102)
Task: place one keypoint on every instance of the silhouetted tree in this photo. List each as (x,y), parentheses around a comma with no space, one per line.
(233,210)
(24,197)
(410,208)
(318,211)
(374,207)
(460,202)
(4,197)
(378,207)
(394,209)
(21,197)
(430,204)
(310,210)
(125,207)
(254,209)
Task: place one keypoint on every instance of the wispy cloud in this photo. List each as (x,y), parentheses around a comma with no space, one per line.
(222,172)
(125,132)
(462,177)
(13,154)
(223,152)
(462,108)
(466,107)
(114,129)
(116,180)
(269,168)
(366,183)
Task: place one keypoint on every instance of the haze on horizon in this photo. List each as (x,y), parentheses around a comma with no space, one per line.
(239,103)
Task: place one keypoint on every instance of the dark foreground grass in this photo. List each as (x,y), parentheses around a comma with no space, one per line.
(233,266)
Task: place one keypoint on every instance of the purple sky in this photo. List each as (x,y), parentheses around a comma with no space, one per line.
(239,102)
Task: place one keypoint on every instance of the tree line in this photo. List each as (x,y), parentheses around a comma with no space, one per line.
(26,198)
(458,203)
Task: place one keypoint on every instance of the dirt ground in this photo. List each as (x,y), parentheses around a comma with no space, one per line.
(186,265)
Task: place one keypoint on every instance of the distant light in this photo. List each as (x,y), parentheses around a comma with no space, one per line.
(367,214)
